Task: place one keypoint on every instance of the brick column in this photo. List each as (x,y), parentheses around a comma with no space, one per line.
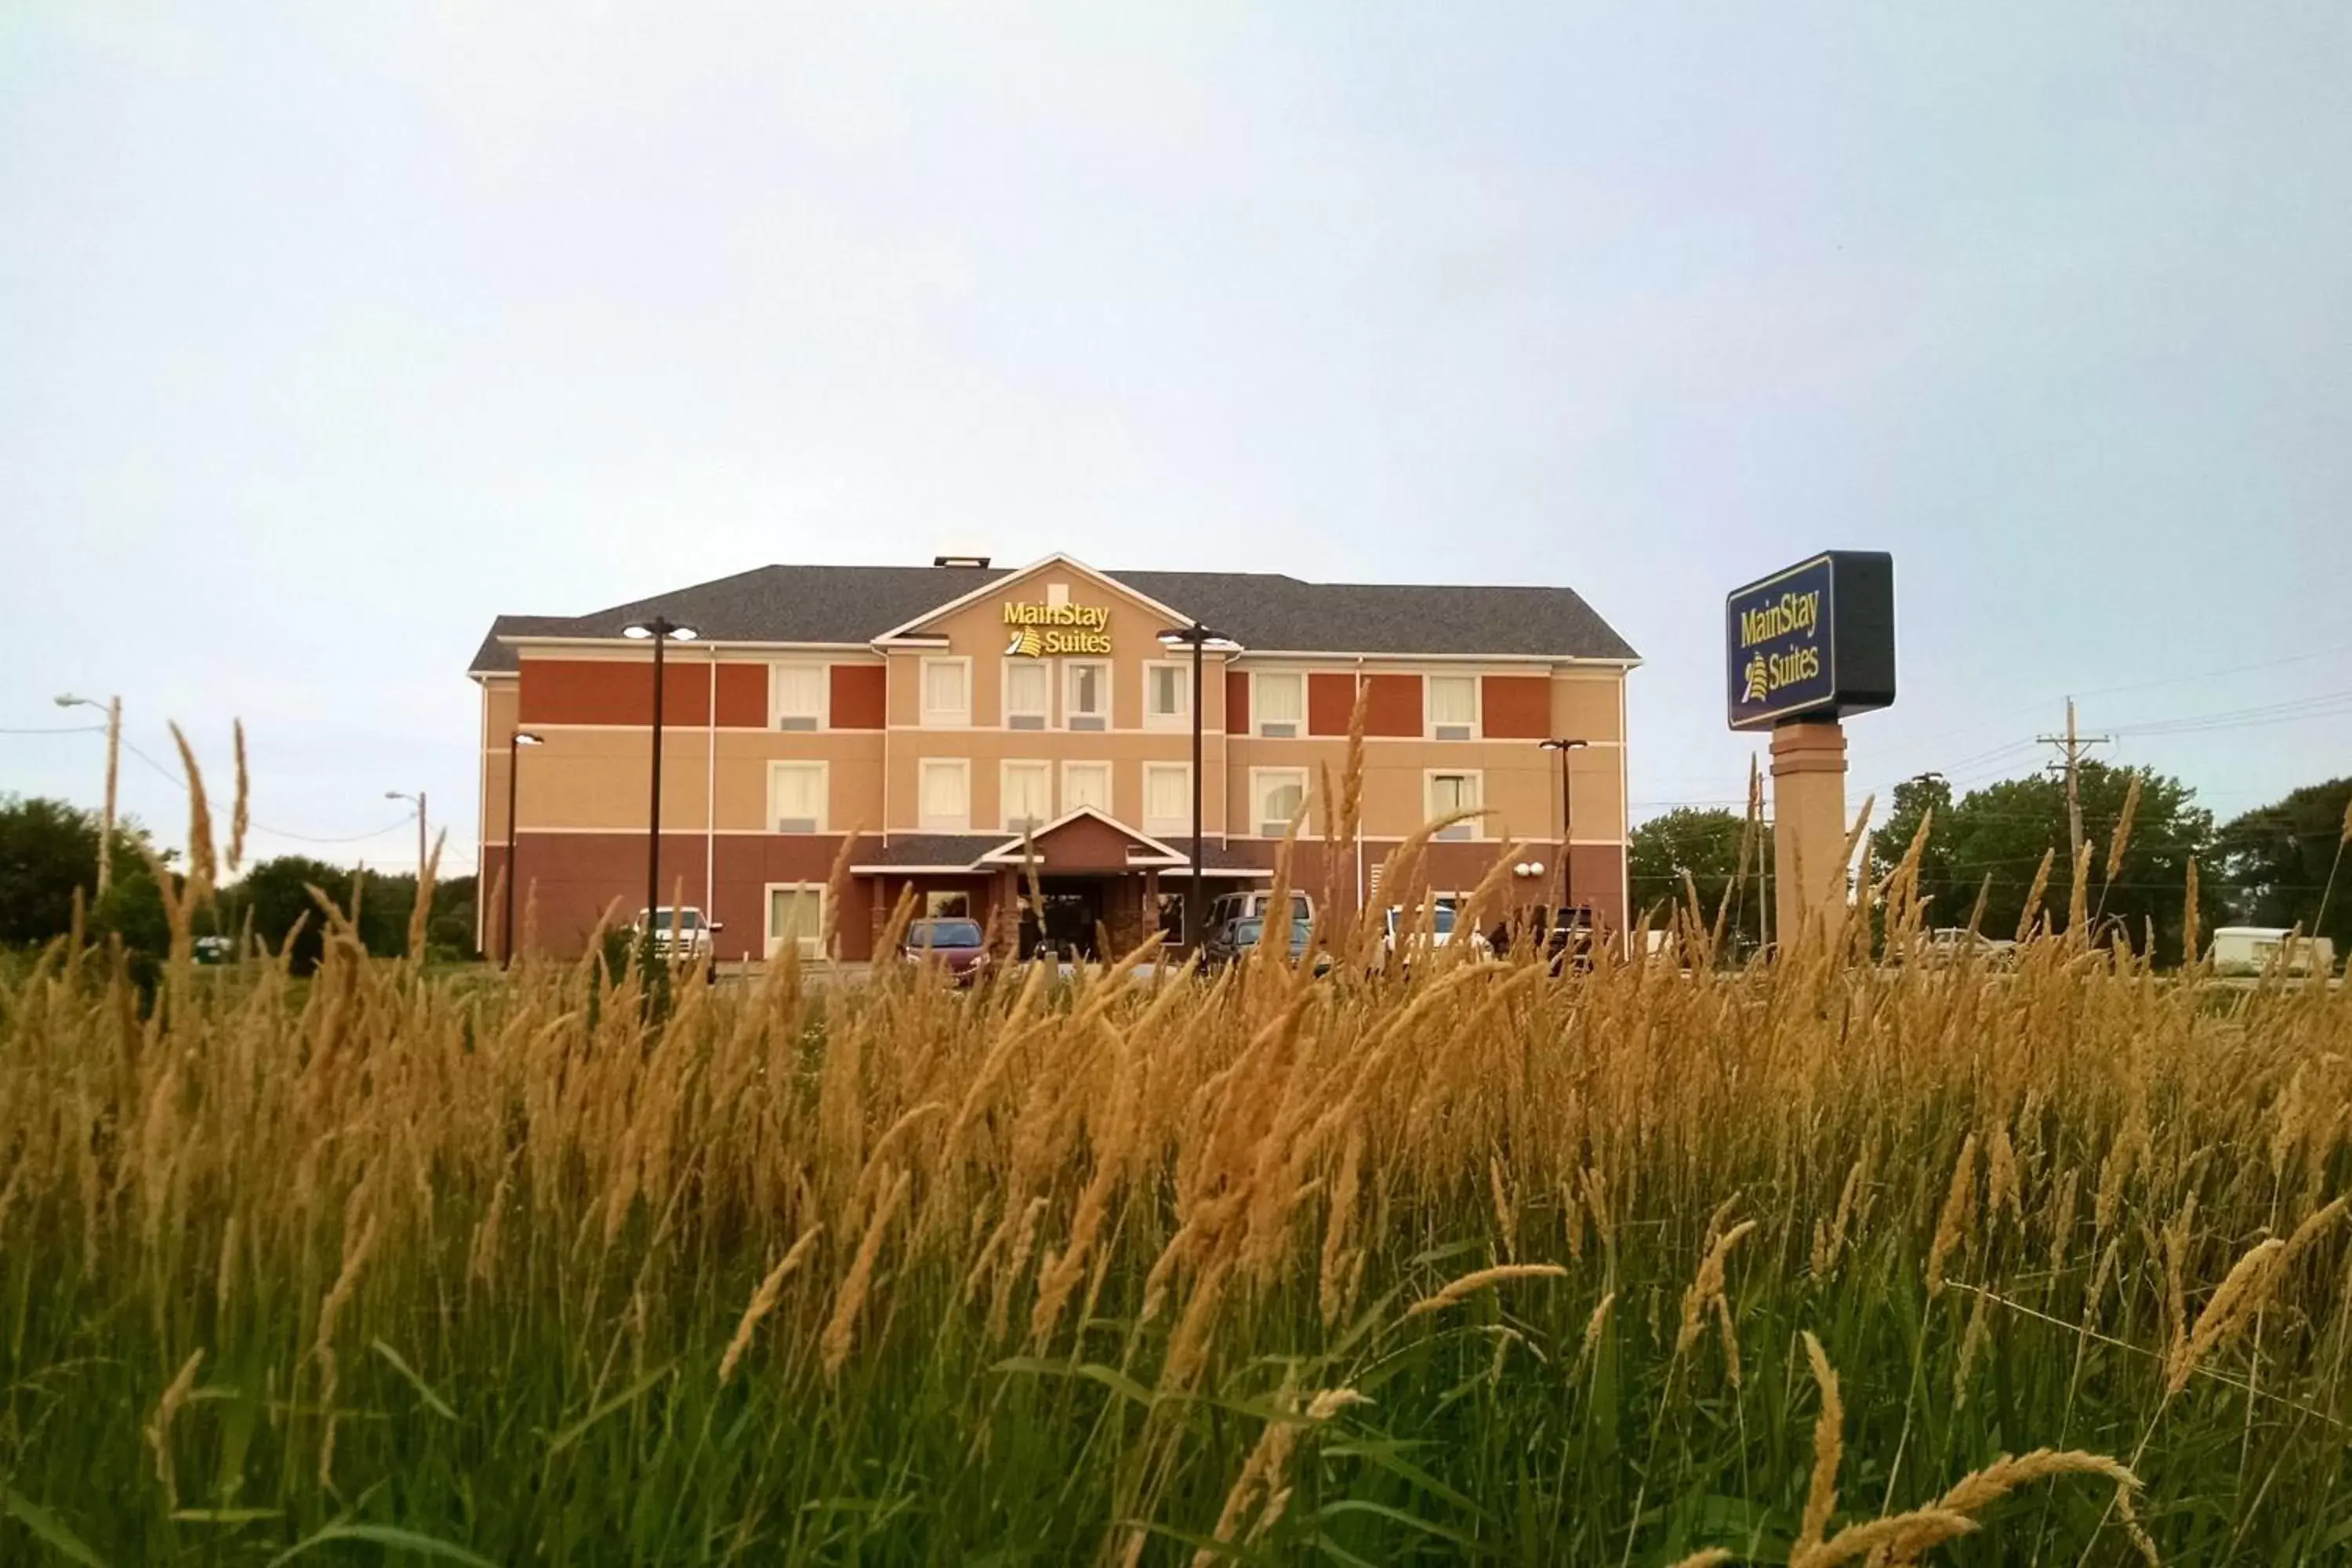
(1808,828)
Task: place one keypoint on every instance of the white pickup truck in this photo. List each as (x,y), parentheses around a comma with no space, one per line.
(680,935)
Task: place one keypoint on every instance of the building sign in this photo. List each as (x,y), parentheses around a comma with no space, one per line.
(1813,642)
(1043,631)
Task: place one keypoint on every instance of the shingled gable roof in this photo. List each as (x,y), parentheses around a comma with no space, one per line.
(1265,612)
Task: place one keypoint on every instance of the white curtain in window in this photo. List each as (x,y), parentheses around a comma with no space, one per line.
(1027,687)
(1453,699)
(1450,792)
(794,914)
(1027,791)
(1167,795)
(1086,784)
(800,691)
(945,799)
(1281,699)
(800,798)
(1279,800)
(944,688)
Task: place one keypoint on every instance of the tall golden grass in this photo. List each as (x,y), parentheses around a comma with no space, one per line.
(1651,1263)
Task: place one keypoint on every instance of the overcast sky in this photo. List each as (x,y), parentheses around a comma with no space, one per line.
(328,332)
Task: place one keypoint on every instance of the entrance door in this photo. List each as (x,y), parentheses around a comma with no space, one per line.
(1074,912)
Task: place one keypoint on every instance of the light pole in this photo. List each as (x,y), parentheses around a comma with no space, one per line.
(661,631)
(1197,637)
(112,707)
(515,744)
(419,798)
(1567,818)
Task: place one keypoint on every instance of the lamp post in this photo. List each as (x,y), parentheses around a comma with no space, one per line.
(112,707)
(1567,818)
(419,798)
(515,744)
(1197,637)
(661,631)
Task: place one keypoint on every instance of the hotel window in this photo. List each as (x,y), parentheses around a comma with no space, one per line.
(796,914)
(944,799)
(796,794)
(946,904)
(1167,695)
(947,691)
(1026,791)
(1450,792)
(1167,799)
(1451,701)
(1086,695)
(1276,794)
(1028,693)
(1278,703)
(1086,784)
(797,694)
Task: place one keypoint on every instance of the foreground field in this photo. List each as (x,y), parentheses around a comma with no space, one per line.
(1493,1266)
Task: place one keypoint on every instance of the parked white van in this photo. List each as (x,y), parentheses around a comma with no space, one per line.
(2251,950)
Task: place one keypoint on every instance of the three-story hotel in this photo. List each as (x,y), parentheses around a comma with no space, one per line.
(961,721)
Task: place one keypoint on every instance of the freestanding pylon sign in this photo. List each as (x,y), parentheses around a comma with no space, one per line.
(1805,647)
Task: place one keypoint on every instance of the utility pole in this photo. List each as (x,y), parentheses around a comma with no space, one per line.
(418,800)
(113,758)
(2072,745)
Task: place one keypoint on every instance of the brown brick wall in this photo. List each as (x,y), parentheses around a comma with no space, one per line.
(1237,709)
(1515,706)
(1394,706)
(743,696)
(1331,703)
(861,697)
(608,691)
(575,877)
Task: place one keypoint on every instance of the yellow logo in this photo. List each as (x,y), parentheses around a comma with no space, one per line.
(1045,630)
(1756,691)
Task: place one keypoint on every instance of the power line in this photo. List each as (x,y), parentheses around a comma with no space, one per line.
(2323,707)
(265,827)
(2160,681)
(346,839)
(60,729)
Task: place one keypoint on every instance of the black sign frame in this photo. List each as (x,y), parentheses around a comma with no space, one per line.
(1810,642)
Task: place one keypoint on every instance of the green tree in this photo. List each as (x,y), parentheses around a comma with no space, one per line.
(1991,840)
(1705,844)
(47,850)
(133,912)
(451,933)
(276,895)
(1913,800)
(2277,860)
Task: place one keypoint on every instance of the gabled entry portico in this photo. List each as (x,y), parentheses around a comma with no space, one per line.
(1097,880)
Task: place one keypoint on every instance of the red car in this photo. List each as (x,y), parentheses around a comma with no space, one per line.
(957,946)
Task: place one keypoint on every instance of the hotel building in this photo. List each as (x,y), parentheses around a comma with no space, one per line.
(960,718)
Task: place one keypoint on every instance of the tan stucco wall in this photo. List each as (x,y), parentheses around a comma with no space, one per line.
(978,632)
(987,750)
(1586,707)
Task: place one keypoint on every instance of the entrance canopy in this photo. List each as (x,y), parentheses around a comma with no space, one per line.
(1081,843)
